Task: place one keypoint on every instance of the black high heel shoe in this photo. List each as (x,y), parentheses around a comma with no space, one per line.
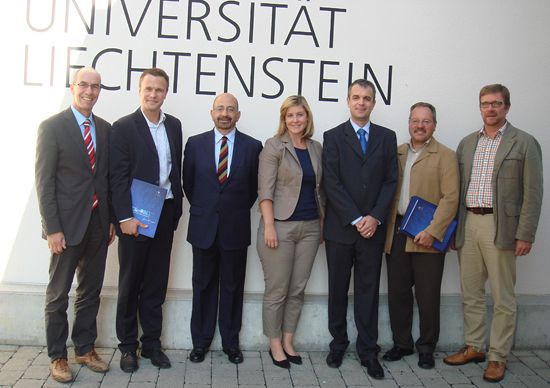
(281,364)
(297,359)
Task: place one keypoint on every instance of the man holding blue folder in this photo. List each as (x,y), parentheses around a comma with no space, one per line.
(428,170)
(146,145)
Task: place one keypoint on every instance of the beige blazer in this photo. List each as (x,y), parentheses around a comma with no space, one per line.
(280,175)
(517,186)
(434,177)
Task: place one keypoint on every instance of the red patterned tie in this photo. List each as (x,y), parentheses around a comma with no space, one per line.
(88,141)
(222,161)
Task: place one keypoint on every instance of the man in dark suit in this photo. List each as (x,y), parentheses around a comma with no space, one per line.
(360,178)
(72,187)
(145,145)
(220,179)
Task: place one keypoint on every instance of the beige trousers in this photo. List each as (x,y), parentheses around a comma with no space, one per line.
(480,260)
(286,272)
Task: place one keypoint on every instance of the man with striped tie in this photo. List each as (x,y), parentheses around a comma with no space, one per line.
(220,175)
(72,186)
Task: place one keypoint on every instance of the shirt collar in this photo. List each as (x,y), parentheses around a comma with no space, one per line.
(230,136)
(357,127)
(411,148)
(500,130)
(80,118)
(150,123)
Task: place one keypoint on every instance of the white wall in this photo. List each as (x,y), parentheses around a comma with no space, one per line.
(440,51)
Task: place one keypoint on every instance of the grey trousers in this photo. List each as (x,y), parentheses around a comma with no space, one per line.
(286,273)
(87,259)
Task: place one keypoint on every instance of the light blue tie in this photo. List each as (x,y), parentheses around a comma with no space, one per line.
(363,139)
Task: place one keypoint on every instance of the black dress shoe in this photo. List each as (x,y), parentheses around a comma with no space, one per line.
(426,360)
(197,354)
(297,359)
(374,369)
(396,353)
(234,355)
(157,357)
(129,362)
(334,359)
(281,364)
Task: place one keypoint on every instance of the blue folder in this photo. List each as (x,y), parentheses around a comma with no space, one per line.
(147,202)
(418,217)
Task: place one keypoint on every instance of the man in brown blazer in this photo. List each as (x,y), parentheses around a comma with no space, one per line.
(429,170)
(72,186)
(500,201)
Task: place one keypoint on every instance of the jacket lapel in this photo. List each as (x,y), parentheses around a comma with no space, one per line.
(373,141)
(144,132)
(506,144)
(75,136)
(350,137)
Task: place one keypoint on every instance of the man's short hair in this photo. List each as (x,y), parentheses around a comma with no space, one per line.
(424,105)
(364,84)
(496,88)
(155,72)
(288,103)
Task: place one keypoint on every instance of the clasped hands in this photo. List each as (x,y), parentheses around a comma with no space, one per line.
(367,226)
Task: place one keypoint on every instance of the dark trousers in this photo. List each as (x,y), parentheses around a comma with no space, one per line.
(365,256)
(423,271)
(217,273)
(87,259)
(142,283)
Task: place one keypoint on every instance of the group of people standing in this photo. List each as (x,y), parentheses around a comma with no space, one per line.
(351,192)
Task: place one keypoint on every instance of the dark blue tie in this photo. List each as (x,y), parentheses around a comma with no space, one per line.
(363,139)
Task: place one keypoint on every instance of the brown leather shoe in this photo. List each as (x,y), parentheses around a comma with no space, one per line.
(465,355)
(61,371)
(92,361)
(495,371)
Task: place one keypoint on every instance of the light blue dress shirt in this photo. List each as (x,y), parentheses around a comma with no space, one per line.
(158,132)
(80,118)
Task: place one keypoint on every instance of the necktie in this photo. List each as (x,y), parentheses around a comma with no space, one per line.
(222,161)
(363,139)
(88,141)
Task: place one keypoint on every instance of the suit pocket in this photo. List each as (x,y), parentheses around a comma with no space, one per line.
(512,209)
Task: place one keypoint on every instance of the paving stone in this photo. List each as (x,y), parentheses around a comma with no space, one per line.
(318,357)
(10,377)
(116,380)
(544,373)
(146,373)
(397,366)
(86,375)
(471,370)
(16,364)
(198,374)
(27,352)
(38,372)
(177,356)
(519,369)
(386,383)
(517,384)
(251,378)
(533,362)
(354,374)
(8,348)
(534,381)
(196,386)
(544,354)
(5,356)
(51,383)
(42,359)
(29,383)
(454,377)
(522,353)
(141,384)
(405,378)
(437,382)
(463,385)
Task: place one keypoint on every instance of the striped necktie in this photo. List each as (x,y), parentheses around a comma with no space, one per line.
(88,141)
(222,161)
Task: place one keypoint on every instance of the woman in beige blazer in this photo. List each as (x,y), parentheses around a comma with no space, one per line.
(292,204)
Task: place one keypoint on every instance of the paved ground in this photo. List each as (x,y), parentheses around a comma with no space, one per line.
(27,366)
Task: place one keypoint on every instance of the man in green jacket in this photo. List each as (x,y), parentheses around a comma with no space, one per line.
(500,202)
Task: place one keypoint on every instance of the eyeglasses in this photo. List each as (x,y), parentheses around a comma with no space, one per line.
(228,109)
(492,104)
(423,122)
(86,85)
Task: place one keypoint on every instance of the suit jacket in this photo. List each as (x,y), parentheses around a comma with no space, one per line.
(65,183)
(280,175)
(221,211)
(134,155)
(434,177)
(517,186)
(356,184)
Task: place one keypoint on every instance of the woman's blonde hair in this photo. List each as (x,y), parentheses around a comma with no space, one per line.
(288,103)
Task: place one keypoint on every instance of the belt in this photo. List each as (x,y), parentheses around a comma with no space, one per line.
(480,210)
